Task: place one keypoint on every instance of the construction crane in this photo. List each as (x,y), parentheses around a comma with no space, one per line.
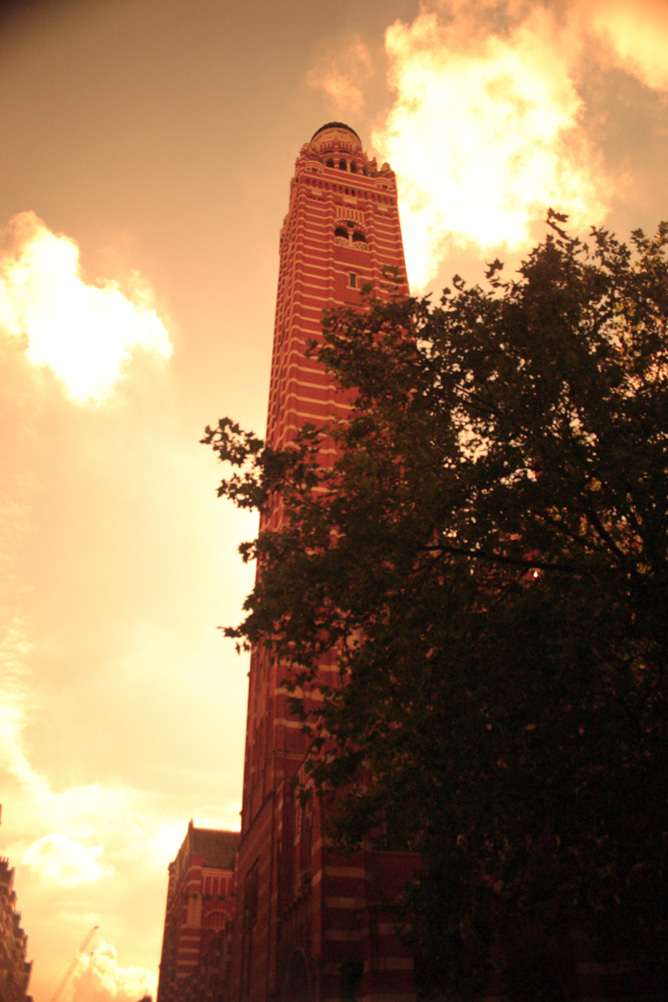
(75,963)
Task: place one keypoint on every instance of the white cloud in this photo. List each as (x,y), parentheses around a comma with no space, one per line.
(76,809)
(100,978)
(342,75)
(636,34)
(16,703)
(64,860)
(83,333)
(485,133)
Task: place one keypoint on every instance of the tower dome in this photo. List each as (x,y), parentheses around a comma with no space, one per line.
(334,136)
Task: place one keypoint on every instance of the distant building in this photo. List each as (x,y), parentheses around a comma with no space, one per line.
(14,968)
(200,904)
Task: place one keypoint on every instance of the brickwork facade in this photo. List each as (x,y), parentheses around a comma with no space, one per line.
(311,925)
(200,907)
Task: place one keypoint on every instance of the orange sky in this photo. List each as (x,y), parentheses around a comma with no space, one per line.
(147,151)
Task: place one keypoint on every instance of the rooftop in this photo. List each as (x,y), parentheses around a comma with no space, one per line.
(218,847)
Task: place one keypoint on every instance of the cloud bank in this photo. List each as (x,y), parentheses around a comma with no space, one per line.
(64,860)
(100,978)
(486,131)
(491,122)
(635,34)
(84,333)
(342,75)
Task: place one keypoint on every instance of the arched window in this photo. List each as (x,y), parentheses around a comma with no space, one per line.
(353,167)
(297,986)
(330,163)
(342,164)
(341,231)
(358,237)
(305,836)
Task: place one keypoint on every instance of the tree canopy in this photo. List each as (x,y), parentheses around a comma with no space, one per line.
(488,559)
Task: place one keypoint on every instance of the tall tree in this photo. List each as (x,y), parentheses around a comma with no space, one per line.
(488,561)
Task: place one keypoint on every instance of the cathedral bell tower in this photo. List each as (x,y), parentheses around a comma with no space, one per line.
(309,924)
(341,232)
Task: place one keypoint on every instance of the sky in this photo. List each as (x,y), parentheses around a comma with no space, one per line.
(147,151)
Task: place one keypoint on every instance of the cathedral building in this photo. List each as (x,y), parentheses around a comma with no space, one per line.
(200,909)
(274,913)
(311,925)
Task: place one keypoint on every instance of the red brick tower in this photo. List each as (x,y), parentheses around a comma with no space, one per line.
(308,925)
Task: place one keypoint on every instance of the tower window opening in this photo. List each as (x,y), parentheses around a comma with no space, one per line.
(342,164)
(329,163)
(341,231)
(358,237)
(353,167)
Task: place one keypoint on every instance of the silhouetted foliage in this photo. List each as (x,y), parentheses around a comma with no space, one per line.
(488,558)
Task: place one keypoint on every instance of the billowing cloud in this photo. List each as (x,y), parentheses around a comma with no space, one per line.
(64,860)
(77,808)
(485,132)
(83,333)
(342,74)
(15,646)
(100,978)
(637,36)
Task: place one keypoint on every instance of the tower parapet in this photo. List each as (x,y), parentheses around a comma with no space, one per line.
(338,147)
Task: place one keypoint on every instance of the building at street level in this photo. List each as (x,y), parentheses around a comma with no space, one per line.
(310,926)
(200,908)
(14,968)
